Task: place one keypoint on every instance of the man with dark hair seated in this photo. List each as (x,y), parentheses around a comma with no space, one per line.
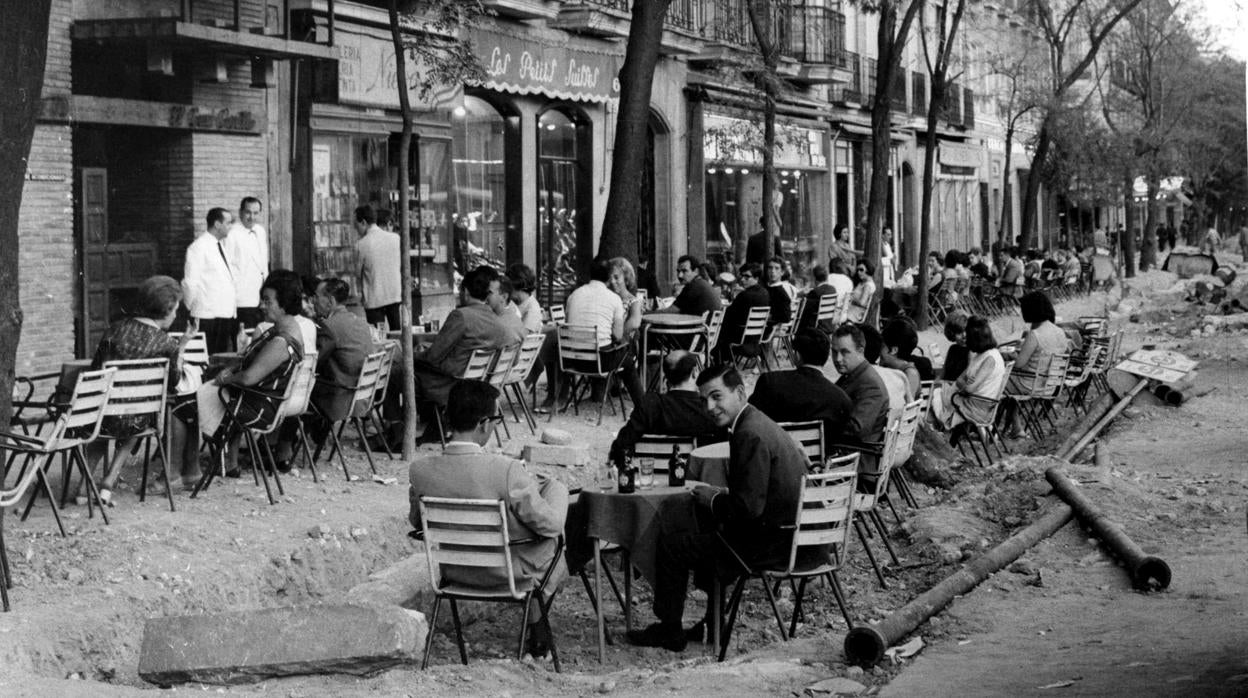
(765,470)
(901,338)
(678,412)
(343,342)
(810,313)
(697,296)
(753,294)
(472,326)
(804,394)
(901,380)
(537,506)
(865,388)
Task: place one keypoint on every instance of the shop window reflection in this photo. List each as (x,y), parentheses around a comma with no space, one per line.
(479,212)
(562,184)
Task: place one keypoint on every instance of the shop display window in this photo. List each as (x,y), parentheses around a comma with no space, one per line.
(478,213)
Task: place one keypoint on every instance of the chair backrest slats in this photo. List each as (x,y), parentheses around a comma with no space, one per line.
(825,511)
(809,437)
(383,373)
(367,383)
(139,388)
(828,303)
(558,315)
(86,404)
(578,349)
(299,390)
(467,533)
(526,356)
(503,362)
(755,323)
(479,362)
(713,324)
(196,351)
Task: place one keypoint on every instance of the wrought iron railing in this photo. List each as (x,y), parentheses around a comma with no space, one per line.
(951,110)
(622,5)
(818,34)
(685,15)
(868,79)
(968,111)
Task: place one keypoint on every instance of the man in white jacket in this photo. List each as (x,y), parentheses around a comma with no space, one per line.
(208,283)
(247,247)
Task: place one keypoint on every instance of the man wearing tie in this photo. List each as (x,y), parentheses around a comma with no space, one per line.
(208,284)
(247,247)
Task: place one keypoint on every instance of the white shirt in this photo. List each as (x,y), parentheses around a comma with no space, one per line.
(842,283)
(207,280)
(248,251)
(598,306)
(381,280)
(307,332)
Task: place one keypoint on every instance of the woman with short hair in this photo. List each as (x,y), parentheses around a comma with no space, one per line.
(144,335)
(972,397)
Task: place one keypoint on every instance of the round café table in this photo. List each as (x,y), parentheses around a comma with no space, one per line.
(635,522)
(664,332)
(709,464)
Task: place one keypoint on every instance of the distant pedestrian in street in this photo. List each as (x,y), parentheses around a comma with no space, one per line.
(756,247)
(208,283)
(247,246)
(381,285)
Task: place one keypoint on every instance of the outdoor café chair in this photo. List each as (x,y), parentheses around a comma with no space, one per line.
(473,533)
(714,320)
(526,358)
(504,359)
(582,360)
(361,405)
(140,389)
(379,392)
(821,525)
(809,437)
(480,361)
(75,427)
(748,349)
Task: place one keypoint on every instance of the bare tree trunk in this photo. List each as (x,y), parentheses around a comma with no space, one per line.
(762,20)
(23,54)
(1148,246)
(1127,245)
(925,217)
(619,227)
(405,243)
(1027,223)
(1006,229)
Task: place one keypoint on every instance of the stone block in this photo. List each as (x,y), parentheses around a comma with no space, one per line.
(556,437)
(406,583)
(248,646)
(547,454)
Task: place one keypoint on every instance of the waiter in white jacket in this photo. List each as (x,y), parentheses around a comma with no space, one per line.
(208,283)
(247,247)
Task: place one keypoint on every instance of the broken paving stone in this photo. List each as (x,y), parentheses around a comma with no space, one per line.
(1022,567)
(556,437)
(249,646)
(837,686)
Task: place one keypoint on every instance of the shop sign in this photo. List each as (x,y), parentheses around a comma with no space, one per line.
(727,139)
(368,75)
(527,65)
(208,119)
(959,155)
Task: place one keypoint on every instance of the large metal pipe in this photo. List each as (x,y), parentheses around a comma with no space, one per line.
(1147,572)
(865,644)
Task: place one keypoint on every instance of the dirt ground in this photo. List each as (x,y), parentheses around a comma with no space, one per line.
(1064,622)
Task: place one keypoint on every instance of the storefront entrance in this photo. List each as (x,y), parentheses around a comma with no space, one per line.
(565,241)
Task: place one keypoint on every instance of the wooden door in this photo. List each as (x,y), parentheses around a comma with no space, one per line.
(113,264)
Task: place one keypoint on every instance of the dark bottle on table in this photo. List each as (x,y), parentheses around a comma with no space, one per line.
(676,468)
(626,474)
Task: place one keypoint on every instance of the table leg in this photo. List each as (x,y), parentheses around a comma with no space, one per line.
(628,592)
(602,628)
(717,591)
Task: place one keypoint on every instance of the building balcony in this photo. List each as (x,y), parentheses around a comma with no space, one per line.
(523,9)
(602,18)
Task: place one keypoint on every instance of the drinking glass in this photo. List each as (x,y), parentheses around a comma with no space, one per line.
(606,478)
(645,478)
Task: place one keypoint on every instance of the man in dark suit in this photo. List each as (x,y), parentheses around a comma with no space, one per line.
(810,313)
(537,506)
(343,342)
(804,394)
(752,295)
(866,392)
(678,412)
(756,246)
(697,295)
(765,469)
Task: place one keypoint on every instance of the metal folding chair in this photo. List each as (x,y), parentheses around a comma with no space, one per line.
(581,359)
(140,389)
(821,524)
(472,533)
(361,405)
(809,436)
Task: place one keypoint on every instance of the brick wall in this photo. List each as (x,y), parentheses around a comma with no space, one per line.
(45,224)
(46,254)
